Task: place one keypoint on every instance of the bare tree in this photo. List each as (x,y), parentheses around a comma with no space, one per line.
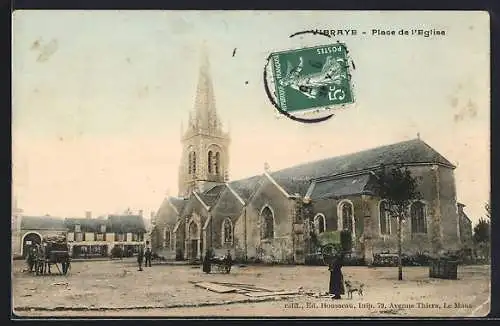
(487,208)
(398,187)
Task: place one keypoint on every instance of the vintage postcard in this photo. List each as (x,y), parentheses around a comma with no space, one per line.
(251,164)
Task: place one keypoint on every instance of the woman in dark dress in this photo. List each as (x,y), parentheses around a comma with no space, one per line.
(206,262)
(336,277)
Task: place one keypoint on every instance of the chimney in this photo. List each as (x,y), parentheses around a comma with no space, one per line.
(88,214)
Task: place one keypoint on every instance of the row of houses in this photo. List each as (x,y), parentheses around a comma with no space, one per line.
(86,237)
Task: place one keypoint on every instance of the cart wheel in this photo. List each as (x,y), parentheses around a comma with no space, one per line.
(329,250)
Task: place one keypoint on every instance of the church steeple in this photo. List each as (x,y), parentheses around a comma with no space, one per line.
(204,117)
(205,157)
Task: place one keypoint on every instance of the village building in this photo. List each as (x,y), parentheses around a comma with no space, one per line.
(465,226)
(86,237)
(29,230)
(270,216)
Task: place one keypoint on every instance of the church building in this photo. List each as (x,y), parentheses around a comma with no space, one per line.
(270,216)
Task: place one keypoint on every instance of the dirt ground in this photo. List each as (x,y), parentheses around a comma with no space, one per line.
(117,289)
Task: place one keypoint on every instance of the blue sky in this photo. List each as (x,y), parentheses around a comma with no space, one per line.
(99,98)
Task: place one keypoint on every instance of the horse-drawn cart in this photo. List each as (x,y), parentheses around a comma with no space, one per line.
(53,251)
(221,264)
(332,244)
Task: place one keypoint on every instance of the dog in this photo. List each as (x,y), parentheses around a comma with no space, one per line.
(351,287)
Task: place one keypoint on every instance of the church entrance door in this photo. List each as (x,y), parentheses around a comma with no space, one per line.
(193,242)
(194,250)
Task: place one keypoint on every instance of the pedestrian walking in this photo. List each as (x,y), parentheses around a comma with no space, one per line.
(140,258)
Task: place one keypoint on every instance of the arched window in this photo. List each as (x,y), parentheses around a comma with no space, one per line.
(385,218)
(166,238)
(418,220)
(190,162)
(346,216)
(267,223)
(319,223)
(193,231)
(227,231)
(193,163)
(210,161)
(217,163)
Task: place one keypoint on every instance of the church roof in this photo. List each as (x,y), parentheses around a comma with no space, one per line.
(42,223)
(328,178)
(227,205)
(178,202)
(462,213)
(189,206)
(339,187)
(245,188)
(296,179)
(211,195)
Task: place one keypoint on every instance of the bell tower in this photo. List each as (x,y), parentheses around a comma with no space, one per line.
(205,144)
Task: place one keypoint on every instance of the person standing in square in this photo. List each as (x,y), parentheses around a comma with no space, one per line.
(148,255)
(140,257)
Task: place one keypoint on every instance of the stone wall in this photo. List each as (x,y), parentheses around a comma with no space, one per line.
(437,187)
(330,208)
(450,221)
(281,246)
(16,243)
(465,231)
(166,218)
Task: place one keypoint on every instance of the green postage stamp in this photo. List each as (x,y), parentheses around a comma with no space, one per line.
(311,79)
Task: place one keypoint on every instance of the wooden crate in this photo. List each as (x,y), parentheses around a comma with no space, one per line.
(444,269)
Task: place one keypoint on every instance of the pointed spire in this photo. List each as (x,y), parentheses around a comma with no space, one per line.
(204,106)
(205,63)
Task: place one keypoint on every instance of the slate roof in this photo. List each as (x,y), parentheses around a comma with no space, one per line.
(127,223)
(296,179)
(464,216)
(227,205)
(211,195)
(462,213)
(42,223)
(86,224)
(245,188)
(190,204)
(178,202)
(341,187)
